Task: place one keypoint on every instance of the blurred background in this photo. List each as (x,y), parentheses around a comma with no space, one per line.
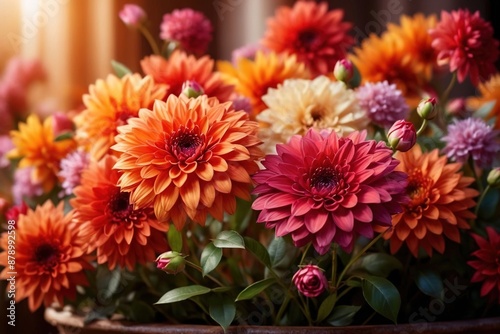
(76,41)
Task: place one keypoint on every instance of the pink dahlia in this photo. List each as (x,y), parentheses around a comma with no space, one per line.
(72,167)
(465,41)
(322,188)
(383,103)
(190,28)
(472,137)
(487,264)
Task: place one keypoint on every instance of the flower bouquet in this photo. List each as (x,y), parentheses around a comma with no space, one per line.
(308,182)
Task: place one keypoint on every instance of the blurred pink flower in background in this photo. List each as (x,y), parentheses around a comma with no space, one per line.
(5,146)
(72,167)
(247,51)
(24,186)
(132,15)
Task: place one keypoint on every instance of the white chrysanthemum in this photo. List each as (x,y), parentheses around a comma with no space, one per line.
(298,105)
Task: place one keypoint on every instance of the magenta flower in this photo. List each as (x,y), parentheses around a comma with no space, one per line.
(472,137)
(132,15)
(190,28)
(402,135)
(310,280)
(383,103)
(465,42)
(61,124)
(487,264)
(322,188)
(72,167)
(241,102)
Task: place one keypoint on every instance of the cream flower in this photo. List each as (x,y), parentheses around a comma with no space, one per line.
(298,105)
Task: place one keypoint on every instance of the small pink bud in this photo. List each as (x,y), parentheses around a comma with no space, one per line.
(191,88)
(171,262)
(132,15)
(343,70)
(310,280)
(402,136)
(427,108)
(493,178)
(61,124)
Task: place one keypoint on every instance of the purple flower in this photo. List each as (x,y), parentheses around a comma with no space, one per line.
(71,169)
(384,103)
(190,28)
(241,102)
(246,51)
(24,186)
(472,137)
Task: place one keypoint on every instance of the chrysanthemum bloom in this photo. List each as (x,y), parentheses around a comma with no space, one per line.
(323,188)
(472,137)
(187,158)
(72,167)
(109,104)
(50,261)
(253,78)
(310,280)
(107,221)
(439,203)
(24,187)
(34,144)
(298,105)
(180,68)
(412,37)
(466,42)
(317,36)
(383,103)
(382,58)
(490,92)
(190,28)
(487,264)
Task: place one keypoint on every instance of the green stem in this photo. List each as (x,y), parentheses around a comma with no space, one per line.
(304,254)
(342,294)
(306,309)
(334,263)
(447,91)
(483,195)
(282,310)
(422,127)
(476,177)
(197,267)
(145,32)
(358,255)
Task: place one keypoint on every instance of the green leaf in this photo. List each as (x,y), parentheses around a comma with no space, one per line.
(326,307)
(183,293)
(485,109)
(342,315)
(254,289)
(64,136)
(222,310)
(379,264)
(210,258)
(258,250)
(430,283)
(277,250)
(108,283)
(241,218)
(174,239)
(382,296)
(229,239)
(120,69)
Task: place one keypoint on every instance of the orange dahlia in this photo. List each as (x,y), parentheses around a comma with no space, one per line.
(317,36)
(413,38)
(180,67)
(107,221)
(253,78)
(34,144)
(490,92)
(187,158)
(439,203)
(49,257)
(109,104)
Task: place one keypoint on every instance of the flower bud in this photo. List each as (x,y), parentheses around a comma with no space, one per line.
(427,108)
(171,262)
(402,136)
(61,124)
(493,178)
(132,15)
(344,70)
(310,280)
(191,88)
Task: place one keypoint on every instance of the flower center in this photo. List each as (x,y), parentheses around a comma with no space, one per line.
(186,144)
(119,207)
(46,255)
(306,38)
(324,178)
(418,190)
